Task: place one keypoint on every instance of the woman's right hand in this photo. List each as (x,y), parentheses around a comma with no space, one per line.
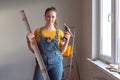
(30,36)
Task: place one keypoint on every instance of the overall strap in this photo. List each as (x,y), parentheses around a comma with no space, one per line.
(57,32)
(40,33)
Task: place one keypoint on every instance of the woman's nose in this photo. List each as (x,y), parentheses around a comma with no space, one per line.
(50,18)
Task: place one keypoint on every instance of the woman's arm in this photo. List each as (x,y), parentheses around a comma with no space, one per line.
(63,45)
(28,38)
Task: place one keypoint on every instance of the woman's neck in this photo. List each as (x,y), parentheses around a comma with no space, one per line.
(50,27)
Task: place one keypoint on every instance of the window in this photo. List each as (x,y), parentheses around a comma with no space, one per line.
(105,28)
(118,31)
(109,30)
(106,51)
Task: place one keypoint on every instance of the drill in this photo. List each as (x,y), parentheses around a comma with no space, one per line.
(66,28)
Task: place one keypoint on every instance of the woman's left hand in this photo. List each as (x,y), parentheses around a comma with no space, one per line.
(67,35)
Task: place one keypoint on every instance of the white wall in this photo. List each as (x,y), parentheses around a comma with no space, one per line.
(16,61)
(86,37)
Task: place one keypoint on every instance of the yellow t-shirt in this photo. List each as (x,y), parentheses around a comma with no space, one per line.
(49,34)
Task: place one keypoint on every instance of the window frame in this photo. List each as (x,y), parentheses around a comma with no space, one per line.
(117,19)
(113,43)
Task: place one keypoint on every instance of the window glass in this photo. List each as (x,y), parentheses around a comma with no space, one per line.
(105,37)
(118,33)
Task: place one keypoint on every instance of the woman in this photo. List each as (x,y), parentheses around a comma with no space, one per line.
(49,40)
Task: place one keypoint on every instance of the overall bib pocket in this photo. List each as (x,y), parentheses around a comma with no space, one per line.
(56,58)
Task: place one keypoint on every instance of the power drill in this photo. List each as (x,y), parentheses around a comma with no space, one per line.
(66,28)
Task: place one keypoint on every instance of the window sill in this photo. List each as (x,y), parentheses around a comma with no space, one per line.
(102,66)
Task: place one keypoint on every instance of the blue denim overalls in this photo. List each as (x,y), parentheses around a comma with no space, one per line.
(52,58)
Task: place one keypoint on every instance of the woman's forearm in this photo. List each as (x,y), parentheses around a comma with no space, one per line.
(29,45)
(64,46)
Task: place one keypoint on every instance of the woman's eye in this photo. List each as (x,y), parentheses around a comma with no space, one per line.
(52,16)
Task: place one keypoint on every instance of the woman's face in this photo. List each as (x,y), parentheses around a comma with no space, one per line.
(50,17)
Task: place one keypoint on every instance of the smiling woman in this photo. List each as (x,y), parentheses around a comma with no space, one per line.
(50,46)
